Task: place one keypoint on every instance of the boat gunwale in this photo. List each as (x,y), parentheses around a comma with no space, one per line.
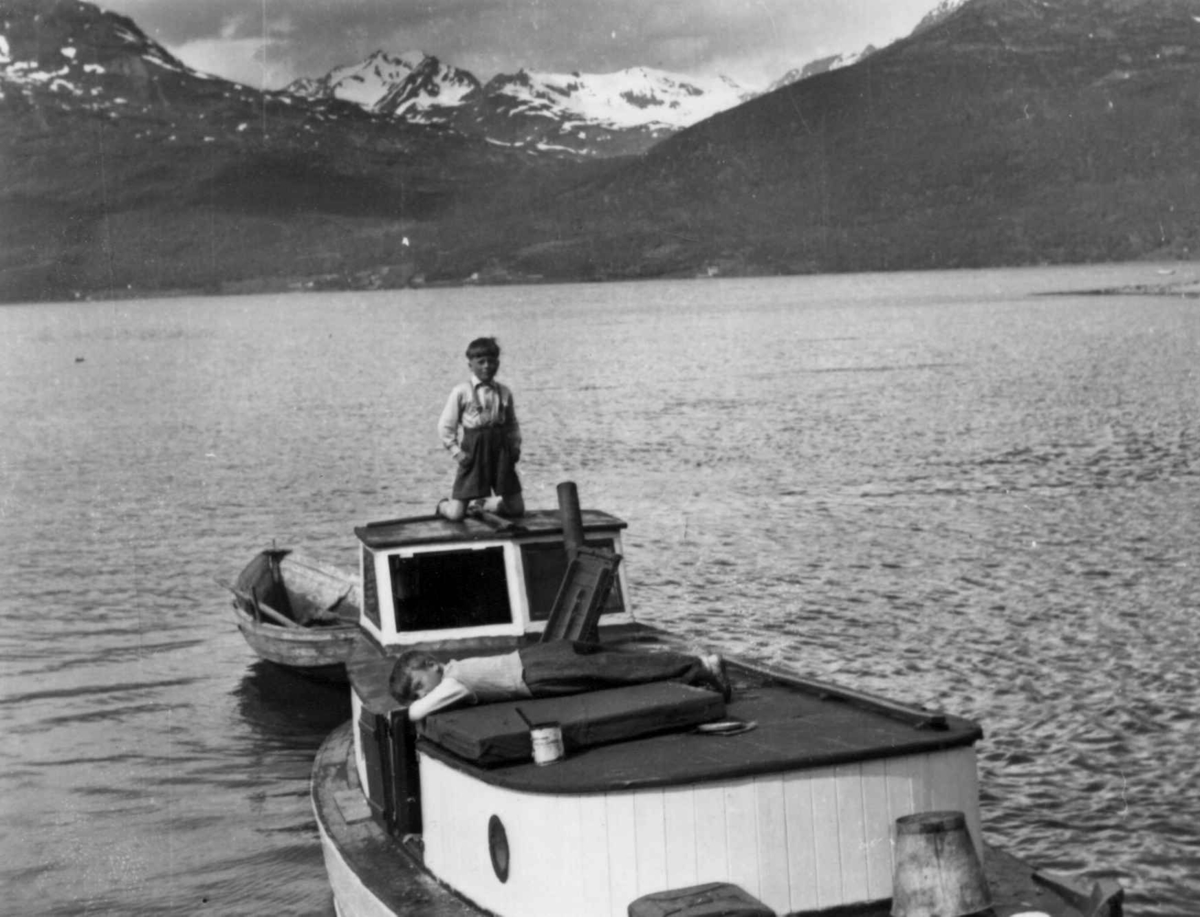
(385,866)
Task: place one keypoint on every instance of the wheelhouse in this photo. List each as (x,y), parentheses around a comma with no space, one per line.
(481,581)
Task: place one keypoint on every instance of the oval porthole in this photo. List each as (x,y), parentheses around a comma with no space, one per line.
(498,847)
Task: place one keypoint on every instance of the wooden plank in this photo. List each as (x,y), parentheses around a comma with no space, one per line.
(802,842)
(433,811)
(825,831)
(968,771)
(922,786)
(878,830)
(712,861)
(954,785)
(593,874)
(772,843)
(622,854)
(852,832)
(679,814)
(538,880)
(650,841)
(741,829)
(901,776)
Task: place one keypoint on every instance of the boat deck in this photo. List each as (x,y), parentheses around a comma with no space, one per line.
(773,727)
(791,724)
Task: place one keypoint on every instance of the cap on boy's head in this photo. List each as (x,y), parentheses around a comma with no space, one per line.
(483,347)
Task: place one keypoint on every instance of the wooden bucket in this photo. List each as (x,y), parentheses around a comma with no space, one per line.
(937,871)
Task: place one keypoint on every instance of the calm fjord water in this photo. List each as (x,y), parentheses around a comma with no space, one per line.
(940,487)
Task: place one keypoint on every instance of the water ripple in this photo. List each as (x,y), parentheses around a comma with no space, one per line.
(928,486)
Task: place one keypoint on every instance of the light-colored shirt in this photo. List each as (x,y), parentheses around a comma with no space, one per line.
(475,404)
(477,680)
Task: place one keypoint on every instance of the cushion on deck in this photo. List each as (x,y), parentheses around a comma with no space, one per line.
(494,734)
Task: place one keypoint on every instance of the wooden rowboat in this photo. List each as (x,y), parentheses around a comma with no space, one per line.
(297,612)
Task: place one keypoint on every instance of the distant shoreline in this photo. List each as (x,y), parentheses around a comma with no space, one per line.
(1182,281)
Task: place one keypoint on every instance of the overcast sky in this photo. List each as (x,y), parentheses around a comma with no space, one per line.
(268,43)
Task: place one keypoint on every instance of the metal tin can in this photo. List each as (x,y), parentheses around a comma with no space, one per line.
(547,743)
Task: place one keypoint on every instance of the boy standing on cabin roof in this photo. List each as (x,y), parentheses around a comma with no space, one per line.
(479,429)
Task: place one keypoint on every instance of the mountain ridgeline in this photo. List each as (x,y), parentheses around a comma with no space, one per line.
(1000,132)
(579,114)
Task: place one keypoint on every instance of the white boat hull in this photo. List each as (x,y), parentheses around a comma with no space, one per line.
(802,841)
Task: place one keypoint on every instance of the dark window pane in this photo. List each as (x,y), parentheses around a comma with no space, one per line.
(450,589)
(545,565)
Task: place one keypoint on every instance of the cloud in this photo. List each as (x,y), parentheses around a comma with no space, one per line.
(753,41)
(249,61)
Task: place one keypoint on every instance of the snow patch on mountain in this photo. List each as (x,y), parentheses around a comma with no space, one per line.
(937,14)
(364,83)
(422,89)
(639,97)
(822,65)
(430,85)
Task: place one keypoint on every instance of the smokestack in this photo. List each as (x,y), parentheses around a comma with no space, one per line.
(572,517)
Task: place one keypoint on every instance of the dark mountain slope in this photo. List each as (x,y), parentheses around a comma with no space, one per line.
(123,171)
(1013,132)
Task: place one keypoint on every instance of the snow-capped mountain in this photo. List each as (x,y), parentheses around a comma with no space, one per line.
(430,86)
(937,14)
(76,54)
(837,61)
(364,83)
(639,97)
(588,113)
(822,65)
(68,56)
(598,113)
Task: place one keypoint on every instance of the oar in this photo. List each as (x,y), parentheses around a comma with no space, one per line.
(258,606)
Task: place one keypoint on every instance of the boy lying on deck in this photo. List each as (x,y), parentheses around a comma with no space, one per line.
(542,670)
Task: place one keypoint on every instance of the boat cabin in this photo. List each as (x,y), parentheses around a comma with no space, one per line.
(483,581)
(481,585)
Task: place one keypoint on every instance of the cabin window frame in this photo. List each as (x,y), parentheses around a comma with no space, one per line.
(514,582)
(369,578)
(591,539)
